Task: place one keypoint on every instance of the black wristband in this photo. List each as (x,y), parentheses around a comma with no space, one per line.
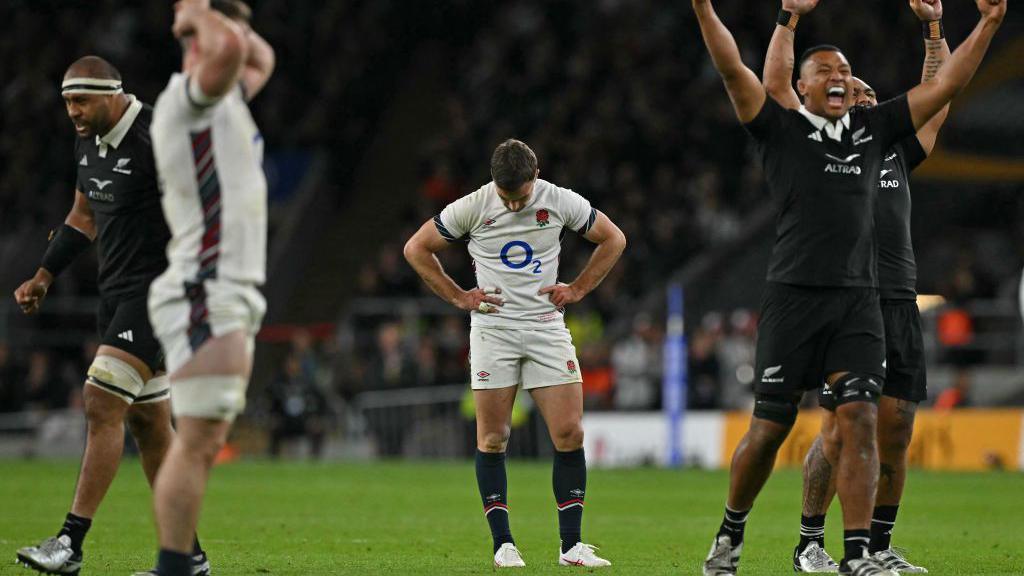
(787,19)
(65,245)
(932,30)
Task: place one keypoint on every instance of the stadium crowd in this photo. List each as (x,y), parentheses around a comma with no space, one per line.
(621,107)
(617,99)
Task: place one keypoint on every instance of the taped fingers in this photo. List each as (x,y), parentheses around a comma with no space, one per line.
(486,308)
(490,302)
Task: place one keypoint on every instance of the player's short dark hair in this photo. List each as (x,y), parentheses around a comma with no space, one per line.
(233,9)
(814,50)
(93,67)
(513,164)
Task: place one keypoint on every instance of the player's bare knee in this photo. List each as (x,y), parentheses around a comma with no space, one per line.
(858,423)
(568,437)
(493,441)
(201,448)
(146,424)
(139,421)
(896,423)
(894,439)
(831,446)
(774,416)
(102,409)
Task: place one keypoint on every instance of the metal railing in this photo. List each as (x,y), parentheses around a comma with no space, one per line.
(431,422)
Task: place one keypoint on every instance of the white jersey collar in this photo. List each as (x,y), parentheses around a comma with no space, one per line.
(833,130)
(118,132)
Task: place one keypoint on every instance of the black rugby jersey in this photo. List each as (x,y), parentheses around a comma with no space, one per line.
(897,268)
(824,177)
(117,174)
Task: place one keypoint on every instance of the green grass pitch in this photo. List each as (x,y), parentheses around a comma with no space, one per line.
(425,518)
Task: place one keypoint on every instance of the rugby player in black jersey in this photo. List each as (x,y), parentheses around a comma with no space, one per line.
(117,205)
(905,382)
(821,323)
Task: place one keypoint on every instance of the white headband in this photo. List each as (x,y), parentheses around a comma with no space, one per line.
(90,86)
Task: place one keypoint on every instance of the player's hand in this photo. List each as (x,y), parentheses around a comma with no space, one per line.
(30,294)
(993,10)
(185,12)
(800,7)
(927,10)
(483,300)
(562,294)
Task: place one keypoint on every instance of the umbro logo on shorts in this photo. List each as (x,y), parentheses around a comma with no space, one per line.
(483,376)
(126,335)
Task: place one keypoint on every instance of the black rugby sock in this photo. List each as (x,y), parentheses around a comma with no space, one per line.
(493,484)
(171,563)
(197,549)
(812,529)
(569,480)
(75,528)
(733,524)
(855,544)
(882,521)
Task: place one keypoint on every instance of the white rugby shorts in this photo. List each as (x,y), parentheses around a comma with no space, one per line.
(186,314)
(501,357)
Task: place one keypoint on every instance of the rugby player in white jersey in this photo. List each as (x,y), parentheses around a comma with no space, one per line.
(514,226)
(206,308)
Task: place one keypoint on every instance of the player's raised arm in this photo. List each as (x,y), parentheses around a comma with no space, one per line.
(66,244)
(611,242)
(259,65)
(217,44)
(745,90)
(936,52)
(421,253)
(927,99)
(780,59)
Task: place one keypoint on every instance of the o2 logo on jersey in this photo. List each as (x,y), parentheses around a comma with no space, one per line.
(527,256)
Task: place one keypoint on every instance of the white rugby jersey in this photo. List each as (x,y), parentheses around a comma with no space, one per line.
(517,251)
(214,194)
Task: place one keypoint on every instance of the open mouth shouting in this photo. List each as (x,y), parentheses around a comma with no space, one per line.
(836,96)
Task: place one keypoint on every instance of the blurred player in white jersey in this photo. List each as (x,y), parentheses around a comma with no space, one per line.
(514,226)
(206,308)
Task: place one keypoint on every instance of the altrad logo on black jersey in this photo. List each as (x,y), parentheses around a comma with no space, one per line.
(101,184)
(842,165)
(883,183)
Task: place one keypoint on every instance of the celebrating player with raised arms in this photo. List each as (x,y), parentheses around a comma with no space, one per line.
(821,322)
(905,383)
(514,226)
(206,307)
(117,207)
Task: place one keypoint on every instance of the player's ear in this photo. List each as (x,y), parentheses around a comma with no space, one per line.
(536,173)
(801,87)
